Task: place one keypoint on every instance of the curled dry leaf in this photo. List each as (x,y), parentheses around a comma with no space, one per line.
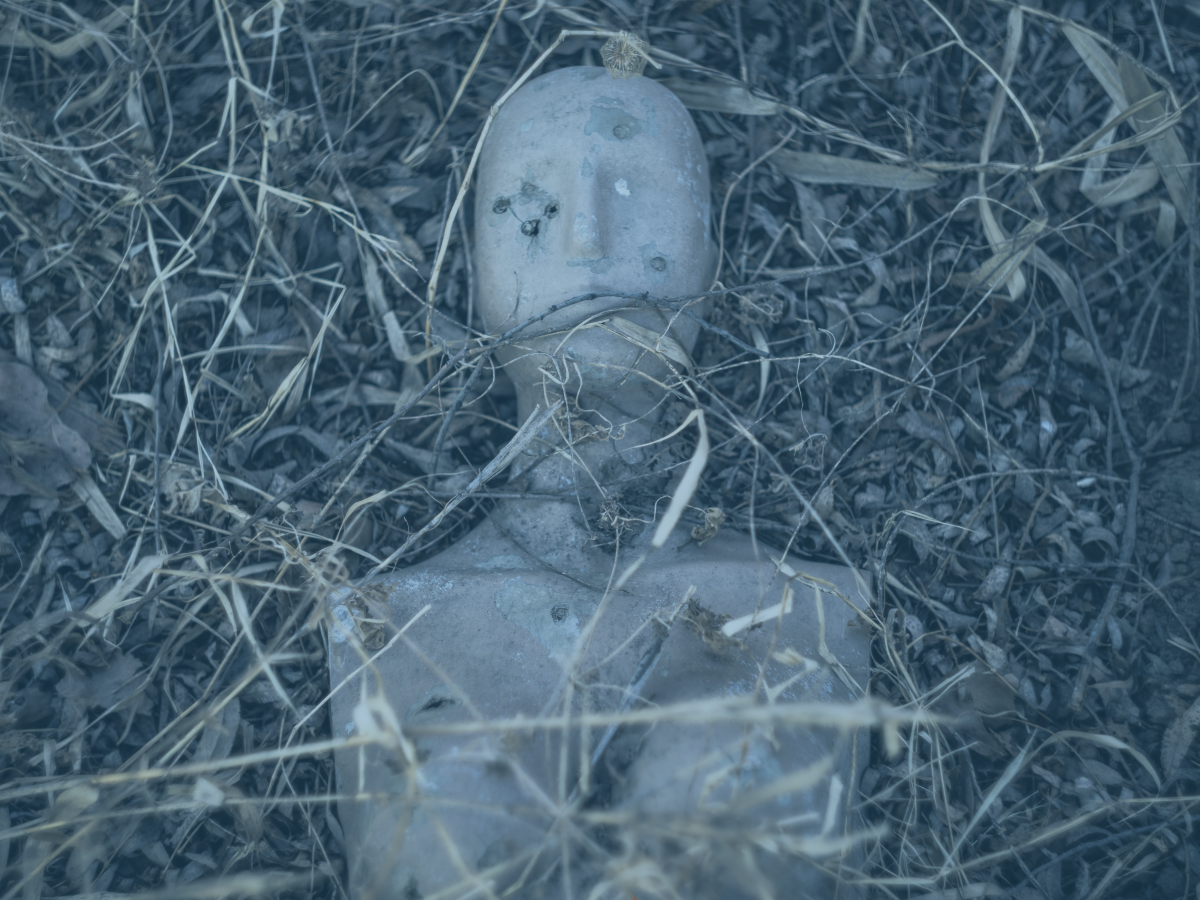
(1125,85)
(1166,149)
(1164,232)
(714,517)
(975,698)
(995,582)
(1004,265)
(732,99)
(104,688)
(653,341)
(1177,741)
(41,448)
(926,426)
(994,656)
(216,741)
(821,168)
(12,34)
(10,296)
(1017,361)
(1096,534)
(1121,189)
(1097,60)
(1079,352)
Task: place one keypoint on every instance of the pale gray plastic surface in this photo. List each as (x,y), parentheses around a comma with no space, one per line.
(509,601)
(623,164)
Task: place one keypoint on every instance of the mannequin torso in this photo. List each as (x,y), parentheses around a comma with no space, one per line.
(589,184)
(505,623)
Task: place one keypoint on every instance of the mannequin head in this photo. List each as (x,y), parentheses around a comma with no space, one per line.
(586,184)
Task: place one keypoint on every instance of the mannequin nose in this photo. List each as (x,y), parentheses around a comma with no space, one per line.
(587,222)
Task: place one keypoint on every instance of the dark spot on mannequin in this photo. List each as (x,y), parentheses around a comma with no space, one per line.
(551,210)
(610,121)
(501,206)
(529,228)
(497,768)
(656,264)
(558,613)
(411,890)
(438,703)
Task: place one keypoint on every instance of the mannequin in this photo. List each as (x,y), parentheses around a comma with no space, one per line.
(587,184)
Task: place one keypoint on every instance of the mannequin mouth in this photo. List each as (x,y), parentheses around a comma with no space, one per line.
(614,338)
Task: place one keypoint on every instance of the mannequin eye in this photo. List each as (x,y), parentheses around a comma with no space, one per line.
(500,206)
(529,228)
(551,210)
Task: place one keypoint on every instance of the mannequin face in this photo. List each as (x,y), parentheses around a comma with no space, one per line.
(588,184)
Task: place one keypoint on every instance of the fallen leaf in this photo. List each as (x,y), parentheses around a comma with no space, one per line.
(104,687)
(1011,390)
(1057,628)
(821,168)
(928,427)
(1102,773)
(216,741)
(1164,231)
(734,99)
(1097,534)
(1078,351)
(994,656)
(656,342)
(973,698)
(1177,741)
(1099,62)
(1127,186)
(42,449)
(1166,149)
(1005,264)
(1017,361)
(995,582)
(714,517)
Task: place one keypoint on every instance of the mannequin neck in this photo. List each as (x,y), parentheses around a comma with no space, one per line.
(594,461)
(594,451)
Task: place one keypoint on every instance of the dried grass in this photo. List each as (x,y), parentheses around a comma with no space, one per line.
(953,344)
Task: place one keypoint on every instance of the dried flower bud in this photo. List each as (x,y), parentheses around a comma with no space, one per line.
(625,55)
